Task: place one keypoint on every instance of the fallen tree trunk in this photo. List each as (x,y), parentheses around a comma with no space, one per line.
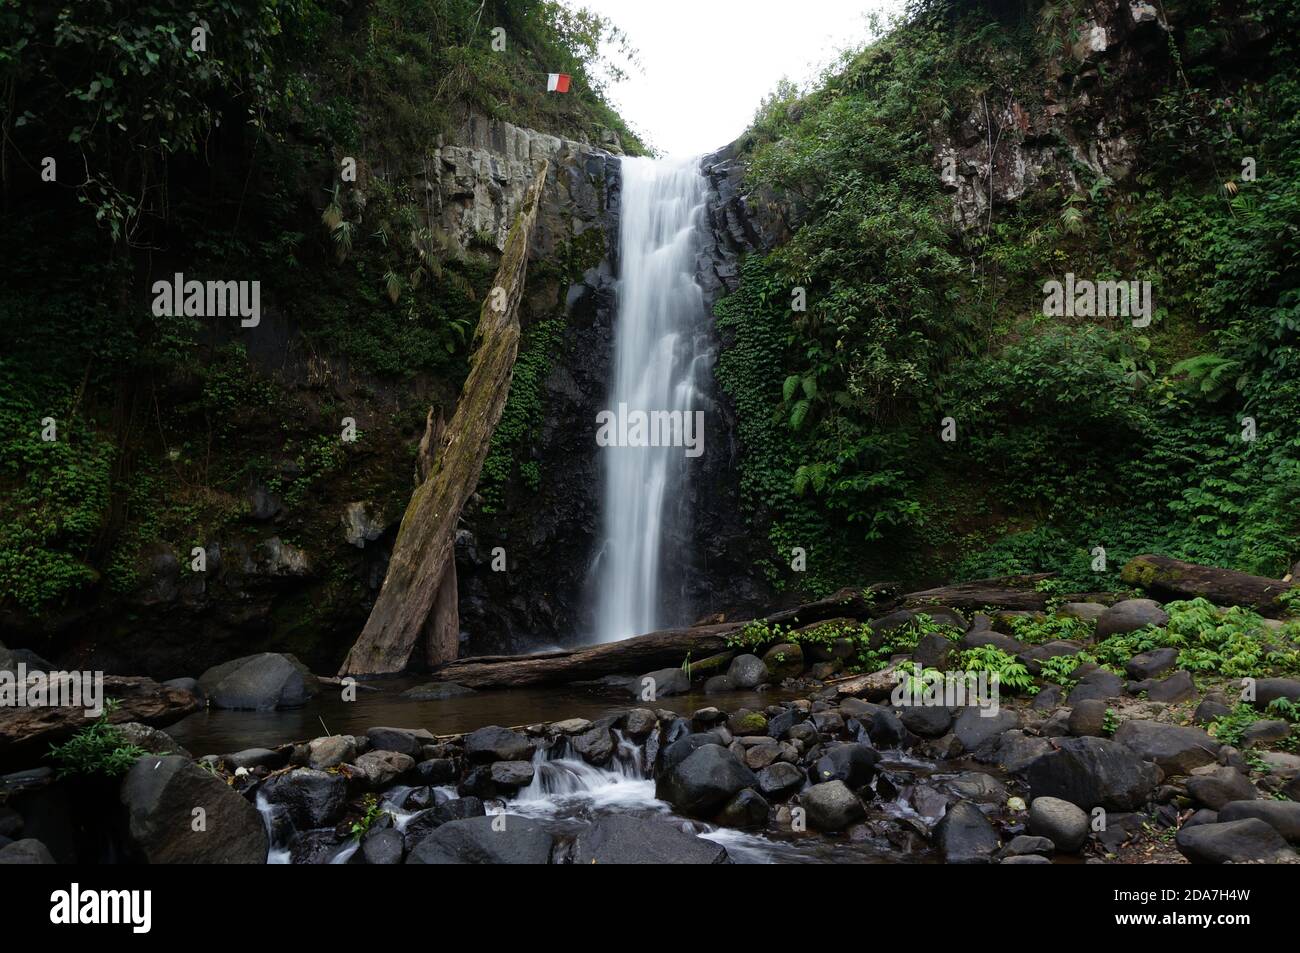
(1167,578)
(635,656)
(858,602)
(418,595)
(1007,592)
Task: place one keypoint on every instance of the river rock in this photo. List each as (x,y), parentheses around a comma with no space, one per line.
(1088,718)
(746,722)
(784,661)
(512,774)
(718,685)
(1087,611)
(747,671)
(1214,787)
(1024,845)
(1063,823)
(977,638)
(780,779)
(330,751)
(261,682)
(1239,842)
(1017,751)
(831,806)
(624,839)
(1282,816)
(927,721)
(965,836)
(704,781)
(979,728)
(27,851)
(1129,616)
(410,741)
(313,798)
(1265,732)
(934,651)
(495,743)
(595,746)
(1099,684)
(380,847)
(683,747)
(640,722)
(1093,772)
(660,684)
(1178,687)
(748,809)
(1269,690)
(160,795)
(1150,664)
(852,763)
(882,724)
(1177,750)
(437,771)
(381,768)
(977,786)
(498,839)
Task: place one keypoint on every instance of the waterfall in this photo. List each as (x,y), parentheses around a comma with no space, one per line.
(661,355)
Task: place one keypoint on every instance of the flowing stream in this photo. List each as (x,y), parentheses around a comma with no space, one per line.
(661,357)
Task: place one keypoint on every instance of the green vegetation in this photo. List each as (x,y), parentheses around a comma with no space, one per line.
(372,813)
(1070,432)
(99,748)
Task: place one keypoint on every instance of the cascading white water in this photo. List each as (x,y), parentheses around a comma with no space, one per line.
(660,359)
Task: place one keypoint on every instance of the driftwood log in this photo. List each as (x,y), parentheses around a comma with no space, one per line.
(1006,592)
(418,597)
(1167,579)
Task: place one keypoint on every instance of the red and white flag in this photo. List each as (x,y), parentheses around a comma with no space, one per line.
(557,82)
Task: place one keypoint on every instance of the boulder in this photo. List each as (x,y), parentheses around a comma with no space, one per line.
(683,747)
(330,751)
(784,661)
(595,745)
(1063,823)
(1282,816)
(1088,718)
(746,722)
(495,839)
(748,809)
(746,672)
(965,836)
(437,771)
(1238,842)
(1093,772)
(934,651)
(977,638)
(1017,751)
(1098,684)
(1129,616)
(704,781)
(512,774)
(780,779)
(1150,664)
(1177,750)
(1178,687)
(854,764)
(1269,690)
(927,721)
(495,743)
(624,839)
(977,729)
(831,806)
(1087,611)
(1023,845)
(402,740)
(380,847)
(1215,787)
(978,787)
(1210,709)
(640,722)
(1265,732)
(161,796)
(313,798)
(381,768)
(261,682)
(660,684)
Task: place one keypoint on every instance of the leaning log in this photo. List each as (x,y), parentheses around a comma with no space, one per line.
(635,656)
(857,602)
(1167,578)
(418,595)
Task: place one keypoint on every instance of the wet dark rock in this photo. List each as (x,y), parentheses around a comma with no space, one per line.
(854,764)
(1210,709)
(746,722)
(977,786)
(1017,751)
(402,740)
(679,750)
(780,779)
(965,836)
(747,671)
(928,721)
(747,810)
(933,651)
(161,794)
(330,751)
(1088,718)
(1024,845)
(495,743)
(259,682)
(1093,772)
(436,691)
(831,806)
(784,661)
(498,839)
(1099,684)
(660,684)
(623,839)
(386,846)
(437,771)
(381,768)
(1178,687)
(595,746)
(979,728)
(640,722)
(512,774)
(704,780)
(313,798)
(1282,816)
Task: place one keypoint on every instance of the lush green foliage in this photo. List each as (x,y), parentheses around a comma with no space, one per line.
(99,748)
(1071,433)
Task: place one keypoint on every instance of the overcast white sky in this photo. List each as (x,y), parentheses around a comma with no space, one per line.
(706,64)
